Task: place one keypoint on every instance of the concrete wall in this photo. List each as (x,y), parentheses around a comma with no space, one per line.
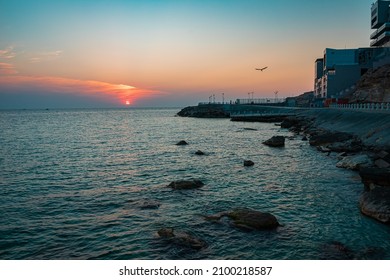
(345,76)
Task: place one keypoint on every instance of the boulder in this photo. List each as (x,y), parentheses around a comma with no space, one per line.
(376,204)
(248,163)
(199,153)
(289,122)
(349,146)
(381,163)
(377,176)
(181,143)
(354,162)
(328,137)
(275,141)
(181,238)
(186,184)
(248,219)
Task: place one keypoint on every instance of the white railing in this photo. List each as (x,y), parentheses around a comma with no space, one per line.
(363,106)
(260,101)
(258,114)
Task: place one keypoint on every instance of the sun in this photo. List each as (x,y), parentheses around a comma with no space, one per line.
(127,102)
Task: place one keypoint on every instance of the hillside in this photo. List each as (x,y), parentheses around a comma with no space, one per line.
(374,86)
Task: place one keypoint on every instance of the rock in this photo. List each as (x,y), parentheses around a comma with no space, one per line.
(248,163)
(181,143)
(181,238)
(186,184)
(304,138)
(275,141)
(382,154)
(289,122)
(381,163)
(353,162)
(336,250)
(251,129)
(377,176)
(205,111)
(248,219)
(149,204)
(349,146)
(323,149)
(199,153)
(376,204)
(328,137)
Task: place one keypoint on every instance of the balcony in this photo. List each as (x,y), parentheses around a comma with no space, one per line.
(380,30)
(381,39)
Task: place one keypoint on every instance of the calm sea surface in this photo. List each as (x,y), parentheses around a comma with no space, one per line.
(72,183)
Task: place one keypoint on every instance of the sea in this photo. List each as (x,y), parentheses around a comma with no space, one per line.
(74,183)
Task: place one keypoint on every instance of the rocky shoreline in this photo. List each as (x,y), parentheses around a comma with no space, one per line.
(372,162)
(360,141)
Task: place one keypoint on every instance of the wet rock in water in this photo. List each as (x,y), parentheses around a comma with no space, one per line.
(376,203)
(323,149)
(199,153)
(275,141)
(304,138)
(149,204)
(336,250)
(248,219)
(181,143)
(251,129)
(186,184)
(377,176)
(354,162)
(248,163)
(289,122)
(182,238)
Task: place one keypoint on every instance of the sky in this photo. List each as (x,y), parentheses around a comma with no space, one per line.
(155,53)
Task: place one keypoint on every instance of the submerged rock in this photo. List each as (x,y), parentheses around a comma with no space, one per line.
(336,250)
(182,238)
(149,204)
(248,163)
(181,143)
(186,184)
(376,204)
(275,141)
(248,219)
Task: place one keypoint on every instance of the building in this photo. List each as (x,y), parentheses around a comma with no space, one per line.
(339,70)
(380,20)
(342,69)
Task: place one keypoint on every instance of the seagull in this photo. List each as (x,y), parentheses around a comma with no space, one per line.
(261,69)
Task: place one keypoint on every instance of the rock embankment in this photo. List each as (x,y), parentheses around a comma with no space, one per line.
(205,111)
(358,149)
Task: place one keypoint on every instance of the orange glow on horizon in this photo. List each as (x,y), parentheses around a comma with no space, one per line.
(123,94)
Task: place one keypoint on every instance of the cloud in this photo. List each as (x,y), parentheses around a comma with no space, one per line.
(45,56)
(7,53)
(7,69)
(58,86)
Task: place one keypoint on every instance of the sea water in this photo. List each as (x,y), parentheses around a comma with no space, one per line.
(73,183)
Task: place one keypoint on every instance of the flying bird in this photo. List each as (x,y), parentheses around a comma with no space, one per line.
(261,69)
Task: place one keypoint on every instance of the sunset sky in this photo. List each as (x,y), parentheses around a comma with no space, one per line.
(57,54)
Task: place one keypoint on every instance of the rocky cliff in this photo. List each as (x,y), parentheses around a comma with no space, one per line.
(374,86)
